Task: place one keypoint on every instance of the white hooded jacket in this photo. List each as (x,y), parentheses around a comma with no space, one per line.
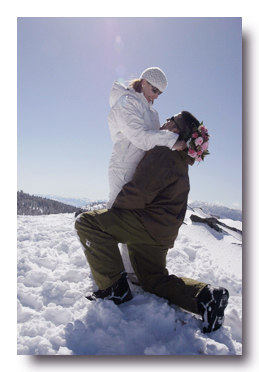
(134,126)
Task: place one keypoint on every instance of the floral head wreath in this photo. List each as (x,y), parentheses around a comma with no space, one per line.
(198,143)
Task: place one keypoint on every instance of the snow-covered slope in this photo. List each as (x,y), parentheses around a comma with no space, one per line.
(54,318)
(218,210)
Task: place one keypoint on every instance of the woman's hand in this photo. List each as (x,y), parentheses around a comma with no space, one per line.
(179,145)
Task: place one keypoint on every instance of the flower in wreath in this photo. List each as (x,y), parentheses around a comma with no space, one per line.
(204,146)
(192,153)
(203,129)
(198,141)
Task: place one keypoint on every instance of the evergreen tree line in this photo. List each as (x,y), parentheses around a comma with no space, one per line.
(36,205)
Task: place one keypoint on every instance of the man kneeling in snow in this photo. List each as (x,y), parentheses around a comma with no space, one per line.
(146,216)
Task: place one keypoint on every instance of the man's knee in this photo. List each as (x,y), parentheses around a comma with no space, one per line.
(83,224)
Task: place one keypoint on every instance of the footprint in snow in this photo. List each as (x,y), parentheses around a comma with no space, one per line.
(191,253)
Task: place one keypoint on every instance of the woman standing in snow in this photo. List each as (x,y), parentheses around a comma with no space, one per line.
(135,128)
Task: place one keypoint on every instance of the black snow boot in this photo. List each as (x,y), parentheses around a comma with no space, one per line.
(212,302)
(119,292)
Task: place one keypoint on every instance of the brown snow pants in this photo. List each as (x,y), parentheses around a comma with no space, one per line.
(100,232)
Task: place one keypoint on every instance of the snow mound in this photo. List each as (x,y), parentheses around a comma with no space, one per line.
(217,210)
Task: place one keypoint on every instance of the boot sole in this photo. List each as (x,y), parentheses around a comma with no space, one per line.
(217,315)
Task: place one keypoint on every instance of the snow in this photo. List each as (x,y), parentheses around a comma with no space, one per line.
(217,210)
(54,318)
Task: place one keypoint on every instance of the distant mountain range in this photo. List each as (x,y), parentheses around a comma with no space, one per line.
(216,210)
(34,205)
(76,202)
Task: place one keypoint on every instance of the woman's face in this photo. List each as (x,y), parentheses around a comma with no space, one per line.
(148,91)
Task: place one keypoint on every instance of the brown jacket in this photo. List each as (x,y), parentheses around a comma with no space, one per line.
(158,192)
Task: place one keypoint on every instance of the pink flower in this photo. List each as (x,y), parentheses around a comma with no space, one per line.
(198,141)
(203,129)
(192,153)
(198,158)
(195,135)
(199,153)
(205,146)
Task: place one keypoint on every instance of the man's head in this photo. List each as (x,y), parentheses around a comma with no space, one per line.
(182,124)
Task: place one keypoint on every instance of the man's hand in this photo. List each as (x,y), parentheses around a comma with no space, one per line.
(179,145)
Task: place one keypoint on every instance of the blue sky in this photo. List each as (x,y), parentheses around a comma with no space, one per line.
(66,67)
